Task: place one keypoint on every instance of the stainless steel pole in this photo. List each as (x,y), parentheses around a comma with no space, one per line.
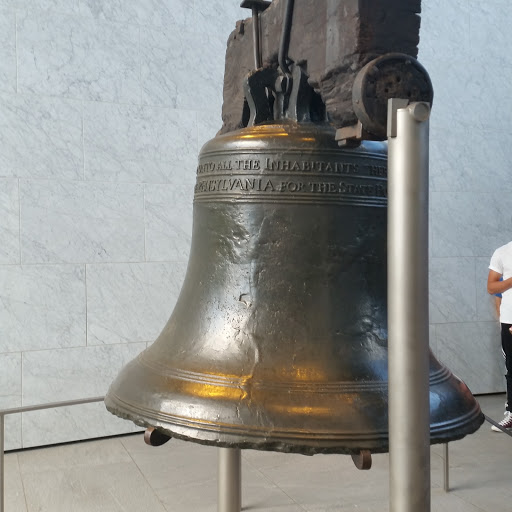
(446,466)
(409,422)
(230,480)
(2,466)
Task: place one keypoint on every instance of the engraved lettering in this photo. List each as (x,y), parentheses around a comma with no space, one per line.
(224,165)
(247,165)
(381,191)
(249,184)
(233,183)
(324,188)
(377,170)
(318,166)
(291,186)
(205,167)
(358,189)
(269,186)
(295,166)
(223,176)
(346,168)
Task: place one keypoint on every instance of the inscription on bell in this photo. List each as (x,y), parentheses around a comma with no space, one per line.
(234,184)
(210,167)
(285,186)
(292,177)
(378,170)
(310,166)
(284,165)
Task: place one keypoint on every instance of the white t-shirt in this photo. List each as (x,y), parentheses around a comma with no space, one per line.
(501,262)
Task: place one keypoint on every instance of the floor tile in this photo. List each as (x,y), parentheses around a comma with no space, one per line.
(92,453)
(106,488)
(258,495)
(14,499)
(176,463)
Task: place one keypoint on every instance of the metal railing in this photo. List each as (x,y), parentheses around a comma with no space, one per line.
(30,408)
(446,470)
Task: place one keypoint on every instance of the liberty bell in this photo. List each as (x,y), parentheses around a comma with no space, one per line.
(278,340)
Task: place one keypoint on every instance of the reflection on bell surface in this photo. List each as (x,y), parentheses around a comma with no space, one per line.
(278,340)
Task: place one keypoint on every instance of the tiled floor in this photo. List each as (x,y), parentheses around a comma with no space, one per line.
(124,475)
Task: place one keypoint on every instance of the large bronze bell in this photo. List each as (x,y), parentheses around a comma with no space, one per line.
(279,339)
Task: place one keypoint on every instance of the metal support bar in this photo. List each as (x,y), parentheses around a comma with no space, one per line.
(51,405)
(409,408)
(285,37)
(446,455)
(256,7)
(256,38)
(29,408)
(446,472)
(497,425)
(230,480)
(2,467)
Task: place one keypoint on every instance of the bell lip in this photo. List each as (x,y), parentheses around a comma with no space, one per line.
(130,402)
(215,435)
(222,439)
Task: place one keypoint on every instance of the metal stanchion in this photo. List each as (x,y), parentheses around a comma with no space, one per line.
(409,422)
(2,467)
(230,480)
(446,472)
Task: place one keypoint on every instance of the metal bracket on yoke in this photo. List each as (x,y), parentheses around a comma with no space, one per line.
(352,135)
(393,75)
(272,95)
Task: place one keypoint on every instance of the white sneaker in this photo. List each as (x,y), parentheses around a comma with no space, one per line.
(506,422)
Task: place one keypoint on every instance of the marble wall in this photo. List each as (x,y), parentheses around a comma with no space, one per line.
(465,47)
(103,107)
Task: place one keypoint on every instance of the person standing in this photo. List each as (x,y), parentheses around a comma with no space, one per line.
(499,281)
